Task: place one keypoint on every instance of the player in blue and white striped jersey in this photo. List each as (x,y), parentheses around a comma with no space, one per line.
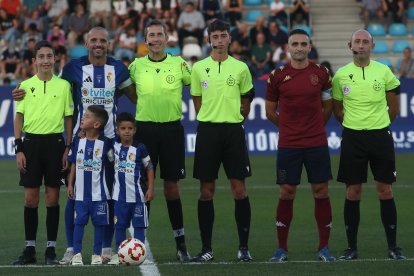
(134,181)
(88,158)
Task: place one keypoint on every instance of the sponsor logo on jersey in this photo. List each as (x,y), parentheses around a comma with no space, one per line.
(287,77)
(97,96)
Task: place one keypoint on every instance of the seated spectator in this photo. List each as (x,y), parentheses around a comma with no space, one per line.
(278,13)
(127,44)
(233,11)
(28,70)
(394,11)
(313,55)
(241,35)
(407,64)
(277,37)
(61,56)
(79,49)
(190,23)
(73,3)
(172,46)
(10,64)
(12,7)
(31,5)
(168,6)
(34,18)
(283,60)
(278,51)
(56,11)
(78,24)
(236,50)
(260,56)
(372,9)
(100,12)
(211,9)
(120,11)
(56,31)
(8,28)
(328,66)
(259,27)
(32,32)
(299,11)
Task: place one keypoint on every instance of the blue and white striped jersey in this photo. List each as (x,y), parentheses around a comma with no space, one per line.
(131,165)
(90,158)
(96,85)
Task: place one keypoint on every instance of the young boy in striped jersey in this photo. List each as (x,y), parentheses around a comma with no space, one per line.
(88,158)
(134,181)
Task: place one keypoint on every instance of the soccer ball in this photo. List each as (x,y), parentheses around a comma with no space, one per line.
(132,252)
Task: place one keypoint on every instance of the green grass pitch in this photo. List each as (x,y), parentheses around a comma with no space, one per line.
(263,195)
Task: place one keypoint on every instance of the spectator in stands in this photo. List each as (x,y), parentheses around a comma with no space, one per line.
(79,49)
(28,69)
(141,6)
(73,3)
(12,7)
(32,32)
(10,63)
(172,46)
(328,66)
(211,9)
(56,31)
(127,44)
(313,55)
(241,35)
(190,23)
(168,6)
(372,9)
(278,51)
(34,18)
(8,28)
(299,11)
(283,60)
(259,27)
(31,5)
(277,37)
(56,11)
(61,56)
(394,11)
(120,11)
(233,11)
(407,64)
(78,24)
(278,13)
(100,11)
(261,56)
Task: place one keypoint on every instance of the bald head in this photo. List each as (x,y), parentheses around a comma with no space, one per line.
(362,33)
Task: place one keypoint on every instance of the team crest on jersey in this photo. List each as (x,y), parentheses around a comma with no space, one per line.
(346,89)
(131,156)
(230,81)
(377,86)
(109,76)
(98,152)
(204,84)
(314,79)
(170,79)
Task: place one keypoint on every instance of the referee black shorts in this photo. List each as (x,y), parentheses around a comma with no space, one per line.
(360,147)
(166,146)
(43,160)
(218,143)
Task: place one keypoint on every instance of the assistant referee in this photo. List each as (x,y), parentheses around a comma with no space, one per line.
(41,156)
(222,90)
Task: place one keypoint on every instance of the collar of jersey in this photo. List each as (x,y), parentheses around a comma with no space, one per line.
(150,59)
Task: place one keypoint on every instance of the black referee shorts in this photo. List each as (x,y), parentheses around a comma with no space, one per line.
(360,147)
(165,144)
(218,143)
(43,160)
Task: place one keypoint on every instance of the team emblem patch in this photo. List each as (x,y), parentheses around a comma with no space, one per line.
(131,156)
(98,152)
(230,81)
(170,79)
(346,90)
(109,76)
(314,79)
(115,219)
(376,86)
(204,84)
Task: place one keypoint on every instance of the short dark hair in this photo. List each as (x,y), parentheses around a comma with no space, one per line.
(154,22)
(100,114)
(125,117)
(218,25)
(43,44)
(298,31)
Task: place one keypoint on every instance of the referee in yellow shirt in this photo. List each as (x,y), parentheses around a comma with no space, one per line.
(222,90)
(41,156)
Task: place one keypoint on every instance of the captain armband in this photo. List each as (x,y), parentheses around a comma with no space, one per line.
(250,95)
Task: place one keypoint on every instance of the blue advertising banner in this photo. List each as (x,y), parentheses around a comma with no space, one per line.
(261,135)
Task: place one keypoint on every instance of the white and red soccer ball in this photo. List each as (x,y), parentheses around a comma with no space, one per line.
(132,252)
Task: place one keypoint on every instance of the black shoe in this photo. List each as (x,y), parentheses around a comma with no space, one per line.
(244,255)
(28,257)
(203,256)
(182,254)
(349,254)
(50,256)
(395,254)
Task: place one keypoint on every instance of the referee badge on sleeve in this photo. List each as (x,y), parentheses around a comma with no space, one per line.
(346,90)
(204,84)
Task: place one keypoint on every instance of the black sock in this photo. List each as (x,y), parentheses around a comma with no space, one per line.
(31,221)
(351,218)
(389,220)
(52,222)
(242,214)
(175,213)
(205,222)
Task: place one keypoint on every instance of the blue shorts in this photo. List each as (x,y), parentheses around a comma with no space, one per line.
(126,212)
(291,160)
(97,210)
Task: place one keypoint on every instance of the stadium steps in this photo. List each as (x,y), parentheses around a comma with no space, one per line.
(333,22)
